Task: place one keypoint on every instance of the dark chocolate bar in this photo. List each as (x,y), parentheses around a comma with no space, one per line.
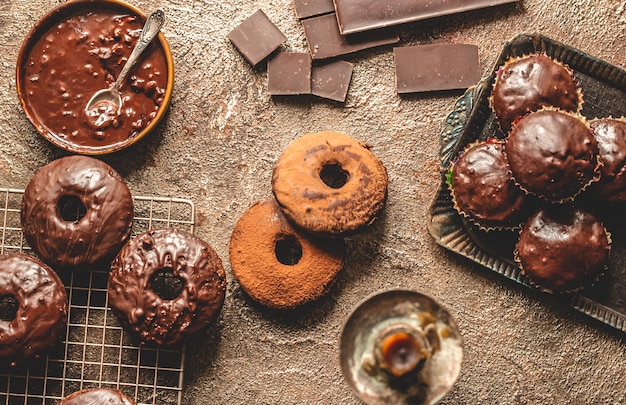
(257,37)
(363,15)
(289,73)
(436,67)
(332,80)
(325,40)
(312,8)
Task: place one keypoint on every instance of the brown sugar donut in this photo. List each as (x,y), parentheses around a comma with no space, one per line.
(277,265)
(166,285)
(94,191)
(330,184)
(33,309)
(97,396)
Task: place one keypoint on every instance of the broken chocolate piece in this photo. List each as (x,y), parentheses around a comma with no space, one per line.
(436,67)
(325,40)
(289,73)
(331,80)
(312,8)
(363,15)
(256,37)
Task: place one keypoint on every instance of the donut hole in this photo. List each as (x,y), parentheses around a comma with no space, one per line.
(166,285)
(8,308)
(71,208)
(333,175)
(288,250)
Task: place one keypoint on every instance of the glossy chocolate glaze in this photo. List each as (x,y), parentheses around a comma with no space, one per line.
(529,83)
(483,189)
(563,248)
(103,229)
(260,272)
(318,208)
(611,136)
(42,309)
(84,53)
(141,309)
(97,396)
(552,154)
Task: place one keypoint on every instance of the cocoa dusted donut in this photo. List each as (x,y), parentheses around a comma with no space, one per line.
(166,285)
(277,265)
(33,309)
(330,184)
(76,210)
(97,396)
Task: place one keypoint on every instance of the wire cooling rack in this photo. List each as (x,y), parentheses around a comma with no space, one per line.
(96,350)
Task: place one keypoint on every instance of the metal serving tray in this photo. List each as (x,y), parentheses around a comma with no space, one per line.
(604,93)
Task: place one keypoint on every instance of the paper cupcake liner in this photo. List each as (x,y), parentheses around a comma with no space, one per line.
(584,283)
(570,71)
(596,169)
(482,224)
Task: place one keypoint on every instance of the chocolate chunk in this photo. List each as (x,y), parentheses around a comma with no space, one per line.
(325,40)
(436,67)
(256,37)
(289,73)
(363,15)
(312,8)
(331,80)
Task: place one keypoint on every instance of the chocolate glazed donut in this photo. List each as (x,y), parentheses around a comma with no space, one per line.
(33,309)
(102,213)
(330,184)
(166,284)
(97,396)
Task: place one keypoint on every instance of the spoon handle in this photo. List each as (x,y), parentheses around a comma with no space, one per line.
(153,25)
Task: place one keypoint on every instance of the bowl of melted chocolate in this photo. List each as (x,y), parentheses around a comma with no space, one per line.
(78,48)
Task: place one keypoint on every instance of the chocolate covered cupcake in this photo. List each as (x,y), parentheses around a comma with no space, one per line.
(527,84)
(611,136)
(552,154)
(563,248)
(482,188)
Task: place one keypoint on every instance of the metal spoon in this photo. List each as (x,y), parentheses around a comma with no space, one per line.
(112,96)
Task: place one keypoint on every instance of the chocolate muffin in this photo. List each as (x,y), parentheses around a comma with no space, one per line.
(482,188)
(563,248)
(529,83)
(611,136)
(553,154)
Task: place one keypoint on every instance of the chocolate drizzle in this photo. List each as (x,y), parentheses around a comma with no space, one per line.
(98,234)
(139,307)
(41,309)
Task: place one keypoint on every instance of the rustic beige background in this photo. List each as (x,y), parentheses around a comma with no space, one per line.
(219,144)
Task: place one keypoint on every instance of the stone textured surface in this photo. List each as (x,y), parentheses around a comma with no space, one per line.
(218,146)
